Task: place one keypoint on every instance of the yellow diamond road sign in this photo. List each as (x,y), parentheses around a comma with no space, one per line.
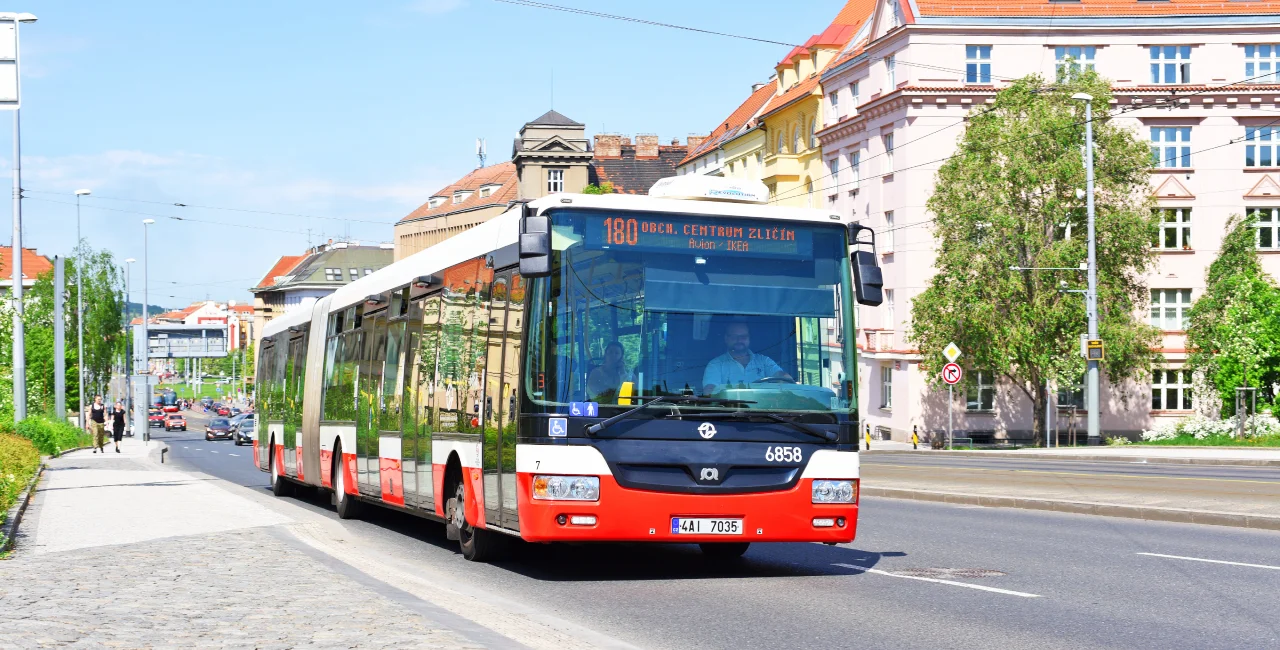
(951,352)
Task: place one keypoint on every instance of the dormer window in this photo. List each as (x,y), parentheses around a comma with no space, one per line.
(435,202)
(461,195)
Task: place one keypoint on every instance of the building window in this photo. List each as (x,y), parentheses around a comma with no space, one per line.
(835,105)
(796,145)
(333,275)
(1262,64)
(1175,229)
(813,133)
(555,181)
(895,19)
(368,271)
(887,237)
(835,172)
(1170,390)
(759,159)
(1170,146)
(890,320)
(355,273)
(980,393)
(485,192)
(855,164)
(886,387)
(1267,222)
(1070,60)
(977,64)
(781,141)
(890,75)
(1170,64)
(1261,150)
(1072,394)
(1170,309)
(854,91)
(888,153)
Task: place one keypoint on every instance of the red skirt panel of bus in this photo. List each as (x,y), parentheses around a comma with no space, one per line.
(624,514)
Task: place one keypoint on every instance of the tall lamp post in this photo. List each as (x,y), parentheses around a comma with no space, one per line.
(128,354)
(1091,296)
(80,309)
(11,96)
(146,338)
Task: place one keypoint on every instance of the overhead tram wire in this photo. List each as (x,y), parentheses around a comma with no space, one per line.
(176,218)
(226,209)
(1120,110)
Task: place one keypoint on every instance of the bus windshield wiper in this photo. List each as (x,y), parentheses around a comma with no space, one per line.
(593,429)
(829,436)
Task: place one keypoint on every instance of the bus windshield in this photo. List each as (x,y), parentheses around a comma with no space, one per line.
(756,313)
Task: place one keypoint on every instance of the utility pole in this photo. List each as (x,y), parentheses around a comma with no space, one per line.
(19,342)
(80,311)
(1091,297)
(59,338)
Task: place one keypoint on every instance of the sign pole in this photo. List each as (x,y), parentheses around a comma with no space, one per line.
(951,407)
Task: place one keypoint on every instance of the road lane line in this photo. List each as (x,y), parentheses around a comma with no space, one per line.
(1200,559)
(233,454)
(1086,474)
(953,583)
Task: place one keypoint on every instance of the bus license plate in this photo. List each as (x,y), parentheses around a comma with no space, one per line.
(705,526)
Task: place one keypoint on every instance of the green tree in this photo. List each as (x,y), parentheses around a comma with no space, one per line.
(603,188)
(1009,198)
(104,335)
(1234,335)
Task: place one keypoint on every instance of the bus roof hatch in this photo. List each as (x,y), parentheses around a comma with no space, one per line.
(710,188)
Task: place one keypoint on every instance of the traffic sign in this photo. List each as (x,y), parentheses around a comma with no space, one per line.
(1094,351)
(951,352)
(951,373)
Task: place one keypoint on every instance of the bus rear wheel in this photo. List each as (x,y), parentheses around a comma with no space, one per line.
(477,544)
(280,486)
(724,550)
(348,506)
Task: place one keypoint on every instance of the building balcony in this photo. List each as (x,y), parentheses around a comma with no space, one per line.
(782,168)
(877,340)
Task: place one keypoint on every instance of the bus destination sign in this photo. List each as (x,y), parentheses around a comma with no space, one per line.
(731,237)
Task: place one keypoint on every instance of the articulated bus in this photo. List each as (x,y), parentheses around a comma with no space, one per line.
(675,368)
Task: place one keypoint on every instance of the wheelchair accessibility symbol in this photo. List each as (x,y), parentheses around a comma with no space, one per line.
(559,428)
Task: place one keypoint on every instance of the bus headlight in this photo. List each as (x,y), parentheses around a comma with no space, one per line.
(834,492)
(566,488)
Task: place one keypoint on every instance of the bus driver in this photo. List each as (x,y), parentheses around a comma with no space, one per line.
(739,365)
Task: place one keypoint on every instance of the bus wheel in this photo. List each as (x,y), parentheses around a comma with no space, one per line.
(279,485)
(478,545)
(347,505)
(724,550)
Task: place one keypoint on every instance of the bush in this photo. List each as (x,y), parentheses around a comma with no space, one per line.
(1197,429)
(52,436)
(19,460)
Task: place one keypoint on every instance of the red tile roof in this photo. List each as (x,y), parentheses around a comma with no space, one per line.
(1094,8)
(837,34)
(736,120)
(282,267)
(33,263)
(503,174)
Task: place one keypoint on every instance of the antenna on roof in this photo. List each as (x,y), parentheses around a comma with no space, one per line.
(480,152)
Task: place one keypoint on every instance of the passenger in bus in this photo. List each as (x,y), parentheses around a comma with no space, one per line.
(739,365)
(606,380)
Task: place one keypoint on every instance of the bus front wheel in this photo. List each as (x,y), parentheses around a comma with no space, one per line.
(477,544)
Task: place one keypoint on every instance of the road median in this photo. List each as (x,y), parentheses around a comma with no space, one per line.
(1234,456)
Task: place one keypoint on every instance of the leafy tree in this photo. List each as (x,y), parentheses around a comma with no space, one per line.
(1009,198)
(104,335)
(603,188)
(1234,334)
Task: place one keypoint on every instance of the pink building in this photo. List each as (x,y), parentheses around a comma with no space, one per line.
(894,103)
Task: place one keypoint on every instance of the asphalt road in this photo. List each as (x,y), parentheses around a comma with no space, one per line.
(920,575)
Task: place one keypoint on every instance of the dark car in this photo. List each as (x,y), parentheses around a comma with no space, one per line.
(217,428)
(175,421)
(245,432)
(155,418)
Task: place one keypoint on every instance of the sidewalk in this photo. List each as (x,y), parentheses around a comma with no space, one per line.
(1260,456)
(118,550)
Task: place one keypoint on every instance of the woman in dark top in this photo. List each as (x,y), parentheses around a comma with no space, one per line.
(117,424)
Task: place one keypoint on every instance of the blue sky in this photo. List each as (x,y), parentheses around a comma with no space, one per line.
(352,115)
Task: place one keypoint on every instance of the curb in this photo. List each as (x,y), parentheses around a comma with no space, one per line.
(1177,460)
(1147,513)
(67,451)
(9,531)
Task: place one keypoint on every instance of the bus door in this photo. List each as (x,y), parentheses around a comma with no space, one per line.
(500,427)
(389,445)
(371,365)
(408,419)
(295,371)
(508,395)
(429,395)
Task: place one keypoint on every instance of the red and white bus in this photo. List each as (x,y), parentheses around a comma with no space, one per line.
(678,367)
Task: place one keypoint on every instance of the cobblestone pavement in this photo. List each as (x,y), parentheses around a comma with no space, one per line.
(217,596)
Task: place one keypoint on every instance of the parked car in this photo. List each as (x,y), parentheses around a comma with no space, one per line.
(245,432)
(175,421)
(155,418)
(217,428)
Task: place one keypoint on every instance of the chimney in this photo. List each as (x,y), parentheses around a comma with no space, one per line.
(608,146)
(755,87)
(647,145)
(695,141)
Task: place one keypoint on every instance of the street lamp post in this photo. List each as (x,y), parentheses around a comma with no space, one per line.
(1091,295)
(19,342)
(128,354)
(80,309)
(146,337)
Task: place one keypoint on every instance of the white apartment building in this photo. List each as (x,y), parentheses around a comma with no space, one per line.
(894,107)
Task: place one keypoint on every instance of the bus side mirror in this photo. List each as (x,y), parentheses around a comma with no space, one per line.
(535,244)
(868,284)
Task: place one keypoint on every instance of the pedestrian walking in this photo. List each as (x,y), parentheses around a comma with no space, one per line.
(117,424)
(98,424)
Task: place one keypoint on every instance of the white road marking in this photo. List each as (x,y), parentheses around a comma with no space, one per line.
(233,454)
(953,583)
(1200,559)
(213,451)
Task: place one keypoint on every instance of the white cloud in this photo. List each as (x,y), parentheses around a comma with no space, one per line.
(436,6)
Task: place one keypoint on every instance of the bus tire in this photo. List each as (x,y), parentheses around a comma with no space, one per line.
(348,506)
(280,486)
(724,550)
(477,544)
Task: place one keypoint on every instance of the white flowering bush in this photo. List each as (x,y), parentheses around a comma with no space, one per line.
(1200,428)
